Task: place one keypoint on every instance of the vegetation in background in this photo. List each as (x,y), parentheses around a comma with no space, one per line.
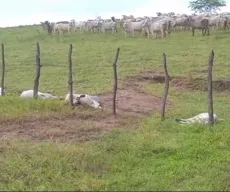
(206,5)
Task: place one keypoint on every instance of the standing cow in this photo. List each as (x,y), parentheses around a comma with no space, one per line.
(61,28)
(108,25)
(198,22)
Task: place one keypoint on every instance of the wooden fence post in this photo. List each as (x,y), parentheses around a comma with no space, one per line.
(209,84)
(3,71)
(70,82)
(166,87)
(115,81)
(38,72)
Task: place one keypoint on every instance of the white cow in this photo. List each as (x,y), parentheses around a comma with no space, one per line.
(0,91)
(30,94)
(111,25)
(202,118)
(180,21)
(156,26)
(93,24)
(84,99)
(77,25)
(61,28)
(216,21)
(131,27)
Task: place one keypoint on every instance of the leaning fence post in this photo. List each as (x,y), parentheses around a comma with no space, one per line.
(115,81)
(38,71)
(70,82)
(3,71)
(209,86)
(166,87)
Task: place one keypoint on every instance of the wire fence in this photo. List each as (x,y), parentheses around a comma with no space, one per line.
(109,74)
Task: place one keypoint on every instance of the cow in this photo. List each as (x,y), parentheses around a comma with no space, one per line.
(108,25)
(202,118)
(131,27)
(180,21)
(216,21)
(29,94)
(47,26)
(198,22)
(168,22)
(1,91)
(63,22)
(93,24)
(61,28)
(77,25)
(156,26)
(84,99)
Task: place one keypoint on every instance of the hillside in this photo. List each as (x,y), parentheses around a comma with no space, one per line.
(46,145)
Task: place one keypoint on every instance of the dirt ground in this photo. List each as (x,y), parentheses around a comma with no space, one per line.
(132,104)
(184,83)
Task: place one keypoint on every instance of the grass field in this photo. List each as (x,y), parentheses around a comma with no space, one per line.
(41,147)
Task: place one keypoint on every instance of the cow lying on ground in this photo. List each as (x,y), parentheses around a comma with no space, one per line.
(84,99)
(1,91)
(202,118)
(30,93)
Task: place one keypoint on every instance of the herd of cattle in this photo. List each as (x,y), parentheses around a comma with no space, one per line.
(149,26)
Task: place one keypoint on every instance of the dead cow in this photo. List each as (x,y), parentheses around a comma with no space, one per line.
(202,118)
(84,99)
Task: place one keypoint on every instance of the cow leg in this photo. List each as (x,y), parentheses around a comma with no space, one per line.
(202,31)
(152,34)
(205,32)
(142,32)
(148,33)
(162,33)
(208,32)
(166,33)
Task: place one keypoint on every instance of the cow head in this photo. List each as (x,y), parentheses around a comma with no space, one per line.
(77,100)
(113,19)
(47,26)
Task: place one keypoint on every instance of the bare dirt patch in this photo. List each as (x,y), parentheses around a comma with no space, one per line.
(132,105)
(197,84)
(74,127)
(133,102)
